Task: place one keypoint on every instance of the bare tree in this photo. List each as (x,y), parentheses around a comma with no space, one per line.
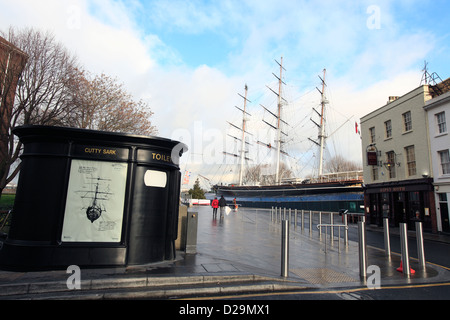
(43,94)
(339,164)
(259,174)
(103,104)
(252,175)
(54,90)
(44,97)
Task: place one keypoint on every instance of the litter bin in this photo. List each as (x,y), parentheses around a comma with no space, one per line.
(93,198)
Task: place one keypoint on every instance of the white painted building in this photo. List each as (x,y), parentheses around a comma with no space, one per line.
(438,115)
(397,164)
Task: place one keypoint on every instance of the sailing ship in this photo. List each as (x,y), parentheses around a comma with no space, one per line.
(328,192)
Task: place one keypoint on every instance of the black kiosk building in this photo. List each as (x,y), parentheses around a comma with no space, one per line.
(92,198)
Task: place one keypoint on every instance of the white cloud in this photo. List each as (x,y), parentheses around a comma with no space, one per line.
(180,96)
(364,65)
(113,46)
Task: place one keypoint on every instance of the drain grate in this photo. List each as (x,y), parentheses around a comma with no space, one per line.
(322,275)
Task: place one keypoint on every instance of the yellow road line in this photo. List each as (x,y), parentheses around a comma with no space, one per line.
(318,292)
(411,286)
(399,254)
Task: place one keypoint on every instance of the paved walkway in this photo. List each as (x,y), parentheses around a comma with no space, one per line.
(242,248)
(249,237)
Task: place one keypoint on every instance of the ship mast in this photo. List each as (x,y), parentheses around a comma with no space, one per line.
(279,120)
(244,122)
(322,125)
(242,139)
(277,175)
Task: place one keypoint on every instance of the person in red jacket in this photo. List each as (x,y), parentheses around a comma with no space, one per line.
(215,205)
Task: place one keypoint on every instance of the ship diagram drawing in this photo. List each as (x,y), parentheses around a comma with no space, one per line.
(95,201)
(99,194)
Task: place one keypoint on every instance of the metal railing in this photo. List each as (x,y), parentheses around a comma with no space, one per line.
(332,226)
(277,217)
(311,218)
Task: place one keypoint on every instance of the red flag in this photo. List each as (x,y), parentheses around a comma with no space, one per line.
(357,129)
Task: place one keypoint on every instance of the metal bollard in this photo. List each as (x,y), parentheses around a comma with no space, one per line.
(404,247)
(279,215)
(276,214)
(295,218)
(191,233)
(420,249)
(339,239)
(320,222)
(310,221)
(362,249)
(345,230)
(303,219)
(332,228)
(285,249)
(387,241)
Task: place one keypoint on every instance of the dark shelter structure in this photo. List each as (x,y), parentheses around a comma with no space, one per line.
(92,198)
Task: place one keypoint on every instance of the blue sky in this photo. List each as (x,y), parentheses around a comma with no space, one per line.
(330,32)
(313,32)
(189,59)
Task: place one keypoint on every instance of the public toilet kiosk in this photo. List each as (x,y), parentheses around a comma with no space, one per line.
(93,198)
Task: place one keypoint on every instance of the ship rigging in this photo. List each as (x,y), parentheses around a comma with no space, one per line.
(344,192)
(279,126)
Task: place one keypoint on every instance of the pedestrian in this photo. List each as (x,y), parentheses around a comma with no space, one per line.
(215,205)
(222,205)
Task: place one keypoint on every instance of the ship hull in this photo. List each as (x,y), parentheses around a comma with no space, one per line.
(336,196)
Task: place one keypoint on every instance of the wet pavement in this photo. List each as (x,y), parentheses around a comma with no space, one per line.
(250,238)
(240,252)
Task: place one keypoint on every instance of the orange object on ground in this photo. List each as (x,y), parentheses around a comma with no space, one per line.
(400,269)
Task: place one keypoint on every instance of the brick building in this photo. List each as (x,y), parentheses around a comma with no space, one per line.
(12,63)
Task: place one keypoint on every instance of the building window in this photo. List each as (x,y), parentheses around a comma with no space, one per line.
(445,161)
(390,163)
(374,173)
(372,134)
(410,160)
(416,205)
(388,127)
(440,121)
(407,123)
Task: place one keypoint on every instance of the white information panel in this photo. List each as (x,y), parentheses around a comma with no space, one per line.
(95,201)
